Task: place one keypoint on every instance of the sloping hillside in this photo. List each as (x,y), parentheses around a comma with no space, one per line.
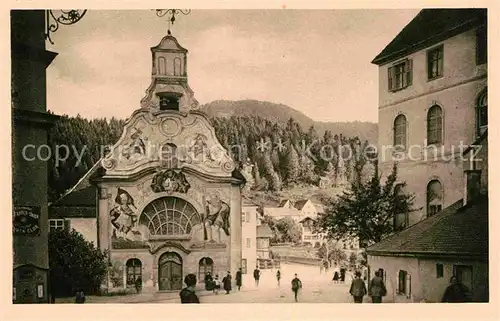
(282,113)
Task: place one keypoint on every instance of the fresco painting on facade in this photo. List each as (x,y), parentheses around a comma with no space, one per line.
(199,149)
(137,147)
(126,233)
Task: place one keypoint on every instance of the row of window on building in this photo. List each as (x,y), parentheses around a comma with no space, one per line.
(400,75)
(164,68)
(462,272)
(435,123)
(133,269)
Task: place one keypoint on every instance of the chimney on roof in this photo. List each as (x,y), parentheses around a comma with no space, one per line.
(472,185)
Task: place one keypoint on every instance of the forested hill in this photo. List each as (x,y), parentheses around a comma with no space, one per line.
(282,113)
(275,168)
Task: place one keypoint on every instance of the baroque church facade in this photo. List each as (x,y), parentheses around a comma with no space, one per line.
(170,197)
(169,194)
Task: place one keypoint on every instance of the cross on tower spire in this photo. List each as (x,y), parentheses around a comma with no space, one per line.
(171,13)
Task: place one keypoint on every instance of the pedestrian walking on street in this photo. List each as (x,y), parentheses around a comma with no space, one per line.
(216,284)
(227,282)
(342,275)
(336,277)
(80,296)
(208,282)
(296,286)
(456,292)
(278,277)
(188,294)
(138,285)
(377,288)
(358,288)
(256,276)
(239,276)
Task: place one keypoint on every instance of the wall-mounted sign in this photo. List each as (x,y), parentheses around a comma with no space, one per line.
(40,291)
(26,220)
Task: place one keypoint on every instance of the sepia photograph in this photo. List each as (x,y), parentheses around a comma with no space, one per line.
(166,156)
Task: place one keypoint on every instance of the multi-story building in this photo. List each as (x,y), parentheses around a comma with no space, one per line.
(30,124)
(309,234)
(248,236)
(167,197)
(432,105)
(264,235)
(432,100)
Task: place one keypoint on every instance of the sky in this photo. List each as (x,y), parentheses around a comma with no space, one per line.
(315,61)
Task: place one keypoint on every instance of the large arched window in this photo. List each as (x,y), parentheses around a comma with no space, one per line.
(435,125)
(206,265)
(434,197)
(177,67)
(482,111)
(134,271)
(400,132)
(162,66)
(169,156)
(401,219)
(169,216)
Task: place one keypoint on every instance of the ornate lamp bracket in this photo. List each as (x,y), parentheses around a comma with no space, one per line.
(171,13)
(63,17)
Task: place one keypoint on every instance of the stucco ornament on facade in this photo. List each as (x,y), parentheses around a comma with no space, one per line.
(142,140)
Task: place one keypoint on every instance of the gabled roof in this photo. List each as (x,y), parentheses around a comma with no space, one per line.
(457,231)
(83,183)
(283,202)
(264,230)
(300,204)
(429,27)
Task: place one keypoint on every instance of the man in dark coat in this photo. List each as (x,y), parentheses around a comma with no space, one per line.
(188,294)
(358,288)
(456,292)
(296,286)
(256,276)
(227,282)
(208,282)
(239,276)
(377,288)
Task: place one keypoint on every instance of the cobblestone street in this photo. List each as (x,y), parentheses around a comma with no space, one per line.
(317,288)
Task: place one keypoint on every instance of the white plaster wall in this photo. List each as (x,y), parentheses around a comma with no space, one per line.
(456,93)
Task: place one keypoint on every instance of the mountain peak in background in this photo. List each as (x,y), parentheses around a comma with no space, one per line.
(281,113)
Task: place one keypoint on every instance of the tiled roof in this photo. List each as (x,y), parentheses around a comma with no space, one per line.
(457,231)
(78,203)
(430,26)
(60,212)
(264,230)
(86,196)
(280,211)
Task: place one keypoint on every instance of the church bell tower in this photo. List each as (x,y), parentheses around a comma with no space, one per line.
(169,89)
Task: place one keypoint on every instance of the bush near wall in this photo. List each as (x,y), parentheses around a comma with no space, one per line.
(74,264)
